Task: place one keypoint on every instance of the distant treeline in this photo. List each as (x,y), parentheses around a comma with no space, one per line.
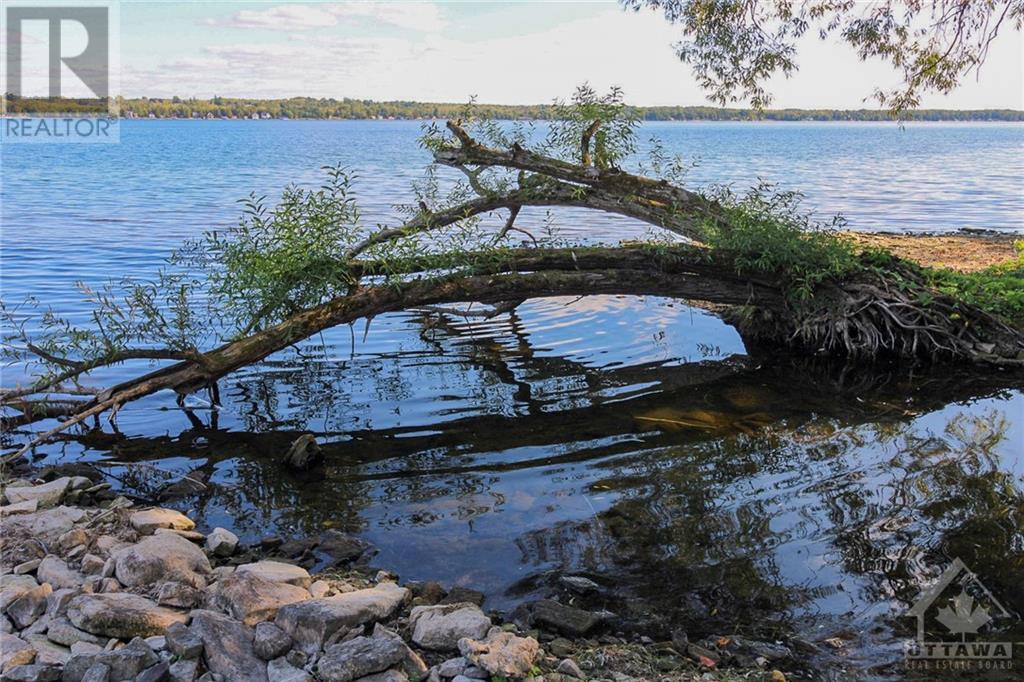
(308,107)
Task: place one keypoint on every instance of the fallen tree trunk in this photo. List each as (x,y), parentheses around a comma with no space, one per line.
(875,311)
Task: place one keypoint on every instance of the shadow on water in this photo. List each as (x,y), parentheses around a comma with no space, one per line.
(731,494)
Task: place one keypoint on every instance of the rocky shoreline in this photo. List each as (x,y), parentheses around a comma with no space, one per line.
(95,588)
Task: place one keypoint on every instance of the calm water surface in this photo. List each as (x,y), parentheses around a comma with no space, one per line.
(629,439)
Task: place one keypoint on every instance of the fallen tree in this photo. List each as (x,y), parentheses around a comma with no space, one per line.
(305,266)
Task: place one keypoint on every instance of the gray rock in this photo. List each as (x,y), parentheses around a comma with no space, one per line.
(475,673)
(411,664)
(97,673)
(48,653)
(85,648)
(252,599)
(27,608)
(567,620)
(579,584)
(359,657)
(441,627)
(32,673)
(310,623)
(280,670)
(71,539)
(148,520)
(53,570)
(342,547)
(179,595)
(277,572)
(93,565)
(157,673)
(221,542)
(45,495)
(569,667)
(26,507)
(57,602)
(157,642)
(452,667)
(183,642)
(27,566)
(13,586)
(121,615)
(45,525)
(228,647)
(15,651)
(386,676)
(61,631)
(6,626)
(183,670)
(270,641)
(163,557)
(123,664)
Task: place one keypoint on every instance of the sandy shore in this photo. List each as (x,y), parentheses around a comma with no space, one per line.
(964,251)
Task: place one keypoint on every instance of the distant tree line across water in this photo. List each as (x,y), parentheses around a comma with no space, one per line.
(313,108)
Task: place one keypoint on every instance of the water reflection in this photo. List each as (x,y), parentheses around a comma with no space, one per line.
(717,492)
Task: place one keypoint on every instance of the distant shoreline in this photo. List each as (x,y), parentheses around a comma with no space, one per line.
(308,108)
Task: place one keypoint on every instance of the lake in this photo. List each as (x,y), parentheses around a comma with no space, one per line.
(628,439)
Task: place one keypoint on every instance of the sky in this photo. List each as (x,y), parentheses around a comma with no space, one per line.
(502,52)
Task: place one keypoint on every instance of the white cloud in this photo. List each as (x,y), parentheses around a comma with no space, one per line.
(608,47)
(417,16)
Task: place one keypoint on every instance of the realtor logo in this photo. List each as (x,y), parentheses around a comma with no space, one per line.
(60,80)
(950,615)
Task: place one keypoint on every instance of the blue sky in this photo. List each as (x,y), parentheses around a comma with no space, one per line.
(507,52)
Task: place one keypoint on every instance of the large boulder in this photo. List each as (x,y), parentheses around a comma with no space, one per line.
(502,653)
(310,623)
(359,657)
(441,627)
(45,495)
(121,614)
(252,599)
(567,620)
(228,647)
(163,557)
(277,572)
(148,520)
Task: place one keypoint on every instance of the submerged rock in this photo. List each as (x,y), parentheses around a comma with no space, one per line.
(120,614)
(304,453)
(567,620)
